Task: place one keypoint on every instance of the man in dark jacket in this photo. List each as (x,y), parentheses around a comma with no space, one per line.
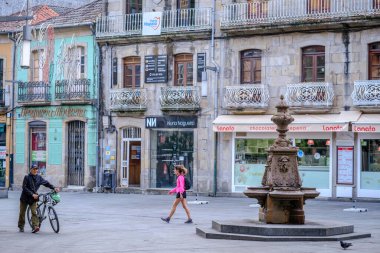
(29,196)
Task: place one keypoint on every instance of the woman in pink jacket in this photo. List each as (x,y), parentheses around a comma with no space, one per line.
(180,171)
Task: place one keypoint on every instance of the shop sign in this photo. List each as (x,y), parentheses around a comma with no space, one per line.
(156,68)
(365,128)
(152,23)
(59,112)
(201,65)
(345,165)
(171,122)
(272,128)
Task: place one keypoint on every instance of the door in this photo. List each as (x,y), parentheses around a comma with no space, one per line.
(131,157)
(134,163)
(76,141)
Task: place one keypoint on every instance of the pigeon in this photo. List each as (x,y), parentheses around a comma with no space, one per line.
(345,245)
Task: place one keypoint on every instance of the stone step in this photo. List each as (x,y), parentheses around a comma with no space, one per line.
(255,227)
(210,233)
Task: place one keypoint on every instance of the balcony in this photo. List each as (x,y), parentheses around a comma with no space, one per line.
(184,20)
(73,91)
(33,93)
(285,14)
(315,97)
(366,95)
(246,97)
(128,100)
(179,98)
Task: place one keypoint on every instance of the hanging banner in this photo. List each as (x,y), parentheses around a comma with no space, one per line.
(152,22)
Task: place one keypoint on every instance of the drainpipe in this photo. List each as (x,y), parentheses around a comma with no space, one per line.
(346,43)
(216,101)
(11,162)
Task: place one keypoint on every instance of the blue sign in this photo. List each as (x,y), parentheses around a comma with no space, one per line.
(300,153)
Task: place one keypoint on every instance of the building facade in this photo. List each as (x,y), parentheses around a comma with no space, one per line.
(196,83)
(57,101)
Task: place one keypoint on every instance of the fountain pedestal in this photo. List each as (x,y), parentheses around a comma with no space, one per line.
(281,196)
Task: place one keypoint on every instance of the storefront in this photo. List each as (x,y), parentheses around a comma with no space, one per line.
(60,140)
(171,143)
(367,129)
(312,134)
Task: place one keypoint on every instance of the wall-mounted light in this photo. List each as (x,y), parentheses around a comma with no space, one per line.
(25,53)
(204,84)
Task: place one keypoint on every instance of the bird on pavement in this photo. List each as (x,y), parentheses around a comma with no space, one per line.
(345,245)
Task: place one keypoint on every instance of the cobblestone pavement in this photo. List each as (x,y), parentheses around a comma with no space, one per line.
(99,222)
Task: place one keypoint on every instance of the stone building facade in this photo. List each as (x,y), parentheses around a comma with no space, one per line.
(321,55)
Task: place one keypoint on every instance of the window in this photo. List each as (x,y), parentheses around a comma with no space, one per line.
(184,70)
(38,141)
(132,66)
(2,99)
(370,164)
(251,66)
(36,67)
(376,4)
(318,6)
(257,9)
(185,4)
(374,61)
(313,64)
(133,6)
(76,63)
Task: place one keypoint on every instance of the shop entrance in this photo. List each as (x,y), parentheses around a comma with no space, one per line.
(131,157)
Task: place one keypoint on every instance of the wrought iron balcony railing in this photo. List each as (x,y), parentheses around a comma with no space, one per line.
(310,95)
(172,21)
(366,93)
(128,99)
(72,90)
(33,92)
(290,11)
(246,96)
(180,98)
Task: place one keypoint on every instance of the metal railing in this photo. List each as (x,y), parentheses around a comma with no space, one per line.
(128,99)
(289,11)
(31,92)
(246,96)
(69,90)
(172,21)
(180,98)
(312,95)
(366,93)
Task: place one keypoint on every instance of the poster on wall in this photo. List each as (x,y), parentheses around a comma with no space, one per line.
(38,152)
(345,167)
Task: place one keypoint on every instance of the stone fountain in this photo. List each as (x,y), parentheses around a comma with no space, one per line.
(281,196)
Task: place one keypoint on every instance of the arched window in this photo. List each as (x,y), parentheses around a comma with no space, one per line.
(250,63)
(132,69)
(183,70)
(313,64)
(374,61)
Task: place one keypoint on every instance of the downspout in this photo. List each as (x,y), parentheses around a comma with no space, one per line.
(11,162)
(347,86)
(216,97)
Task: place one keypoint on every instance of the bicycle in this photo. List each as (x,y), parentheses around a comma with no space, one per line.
(46,201)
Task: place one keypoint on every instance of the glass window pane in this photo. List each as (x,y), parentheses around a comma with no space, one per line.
(308,75)
(314,164)
(370,164)
(246,77)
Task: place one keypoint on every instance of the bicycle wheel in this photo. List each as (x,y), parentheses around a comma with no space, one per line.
(53,218)
(29,216)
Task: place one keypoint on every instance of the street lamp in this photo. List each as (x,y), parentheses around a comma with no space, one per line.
(25,53)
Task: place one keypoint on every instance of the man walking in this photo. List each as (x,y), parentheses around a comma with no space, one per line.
(29,196)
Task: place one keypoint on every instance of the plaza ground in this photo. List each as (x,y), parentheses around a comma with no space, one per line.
(100,222)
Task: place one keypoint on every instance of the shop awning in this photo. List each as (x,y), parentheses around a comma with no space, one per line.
(367,123)
(302,123)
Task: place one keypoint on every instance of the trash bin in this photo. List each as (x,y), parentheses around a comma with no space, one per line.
(109,179)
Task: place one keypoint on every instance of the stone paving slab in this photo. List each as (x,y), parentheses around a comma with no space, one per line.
(99,222)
